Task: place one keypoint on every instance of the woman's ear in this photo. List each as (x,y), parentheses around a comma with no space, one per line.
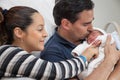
(65,24)
(18,32)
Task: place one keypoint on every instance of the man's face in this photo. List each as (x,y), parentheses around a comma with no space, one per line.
(81,28)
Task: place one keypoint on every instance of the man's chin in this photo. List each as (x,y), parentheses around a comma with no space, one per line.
(81,40)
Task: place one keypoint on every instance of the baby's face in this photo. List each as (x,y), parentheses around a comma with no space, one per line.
(93,35)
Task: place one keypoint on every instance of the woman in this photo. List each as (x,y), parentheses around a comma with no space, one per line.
(22,31)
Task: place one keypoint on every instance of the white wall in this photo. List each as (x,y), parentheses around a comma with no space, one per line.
(106,11)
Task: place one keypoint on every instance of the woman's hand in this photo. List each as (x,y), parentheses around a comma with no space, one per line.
(92,50)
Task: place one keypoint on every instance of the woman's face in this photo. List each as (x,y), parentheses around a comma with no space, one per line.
(35,34)
(93,35)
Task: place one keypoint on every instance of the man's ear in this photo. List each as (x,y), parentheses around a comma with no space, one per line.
(18,32)
(65,24)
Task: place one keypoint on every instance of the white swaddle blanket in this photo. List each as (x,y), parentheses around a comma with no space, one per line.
(94,63)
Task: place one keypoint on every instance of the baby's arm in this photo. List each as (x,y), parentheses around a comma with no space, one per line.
(79,49)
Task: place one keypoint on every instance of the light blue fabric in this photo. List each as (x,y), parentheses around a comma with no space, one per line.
(116,38)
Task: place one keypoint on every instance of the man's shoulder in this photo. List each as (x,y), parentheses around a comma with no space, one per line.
(52,49)
(53,42)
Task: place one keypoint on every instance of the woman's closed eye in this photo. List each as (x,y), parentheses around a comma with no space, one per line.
(40,28)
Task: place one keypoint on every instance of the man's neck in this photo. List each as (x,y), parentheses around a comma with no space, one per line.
(64,35)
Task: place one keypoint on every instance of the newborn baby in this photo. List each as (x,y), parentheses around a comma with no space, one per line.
(96,34)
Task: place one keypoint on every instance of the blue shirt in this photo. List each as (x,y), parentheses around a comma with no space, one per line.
(57,49)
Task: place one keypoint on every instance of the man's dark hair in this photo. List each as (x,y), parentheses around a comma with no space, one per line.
(69,9)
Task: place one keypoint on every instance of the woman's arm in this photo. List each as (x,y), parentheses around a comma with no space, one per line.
(16,63)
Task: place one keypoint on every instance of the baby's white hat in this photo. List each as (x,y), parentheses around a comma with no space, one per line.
(103,37)
(101,30)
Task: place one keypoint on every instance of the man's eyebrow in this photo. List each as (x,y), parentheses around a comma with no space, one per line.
(89,22)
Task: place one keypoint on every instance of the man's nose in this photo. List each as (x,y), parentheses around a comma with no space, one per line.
(90,28)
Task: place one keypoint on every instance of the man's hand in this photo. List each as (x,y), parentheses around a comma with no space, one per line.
(111,53)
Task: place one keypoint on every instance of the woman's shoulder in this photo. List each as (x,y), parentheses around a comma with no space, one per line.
(9,49)
(9,46)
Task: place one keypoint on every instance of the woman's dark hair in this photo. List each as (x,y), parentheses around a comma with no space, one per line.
(18,16)
(70,9)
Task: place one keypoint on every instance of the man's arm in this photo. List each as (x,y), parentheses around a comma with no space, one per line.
(115,75)
(102,72)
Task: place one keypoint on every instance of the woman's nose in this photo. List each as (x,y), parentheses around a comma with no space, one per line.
(45,34)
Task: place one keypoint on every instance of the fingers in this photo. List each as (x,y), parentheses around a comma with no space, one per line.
(96,52)
(108,40)
(96,43)
(111,52)
(90,52)
(108,43)
(113,44)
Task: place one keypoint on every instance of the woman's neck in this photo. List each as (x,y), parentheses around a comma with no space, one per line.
(21,45)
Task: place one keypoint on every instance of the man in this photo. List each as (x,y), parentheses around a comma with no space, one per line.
(74,24)
(74,20)
(73,27)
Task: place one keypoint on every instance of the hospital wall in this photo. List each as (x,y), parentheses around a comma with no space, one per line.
(106,11)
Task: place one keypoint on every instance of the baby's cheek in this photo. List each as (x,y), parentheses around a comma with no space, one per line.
(88,41)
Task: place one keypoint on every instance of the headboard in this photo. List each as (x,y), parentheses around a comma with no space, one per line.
(113,26)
